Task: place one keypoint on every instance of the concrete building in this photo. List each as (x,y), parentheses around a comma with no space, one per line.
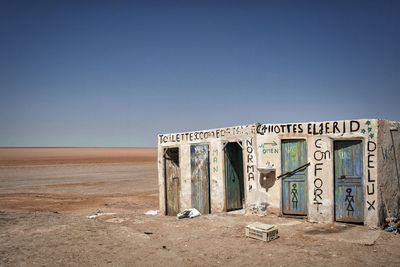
(329,171)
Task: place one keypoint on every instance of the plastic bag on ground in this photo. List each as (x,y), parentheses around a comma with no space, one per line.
(152,212)
(191,213)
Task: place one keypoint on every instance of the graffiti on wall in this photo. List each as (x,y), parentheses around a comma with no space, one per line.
(371,147)
(334,127)
(269,148)
(371,158)
(204,135)
(311,128)
(319,156)
(367,129)
(250,166)
(214,156)
(387,152)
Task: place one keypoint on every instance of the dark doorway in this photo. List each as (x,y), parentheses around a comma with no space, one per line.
(172,180)
(234,176)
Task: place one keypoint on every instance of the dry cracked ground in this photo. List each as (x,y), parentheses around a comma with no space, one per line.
(46,196)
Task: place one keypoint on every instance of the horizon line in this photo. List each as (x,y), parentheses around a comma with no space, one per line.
(8,147)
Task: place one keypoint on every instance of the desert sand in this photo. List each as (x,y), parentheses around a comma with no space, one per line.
(47,194)
(78,181)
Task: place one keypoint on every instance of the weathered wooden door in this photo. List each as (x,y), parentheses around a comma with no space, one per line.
(200,178)
(172,181)
(234,176)
(294,187)
(349,195)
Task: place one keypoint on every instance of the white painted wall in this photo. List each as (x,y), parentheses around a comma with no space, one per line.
(388,186)
(262,146)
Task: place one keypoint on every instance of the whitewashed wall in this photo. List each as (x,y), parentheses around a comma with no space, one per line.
(262,146)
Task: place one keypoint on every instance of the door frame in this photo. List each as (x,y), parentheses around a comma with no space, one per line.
(165,149)
(243,200)
(305,181)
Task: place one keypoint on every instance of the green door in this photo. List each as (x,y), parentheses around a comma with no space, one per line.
(349,195)
(234,176)
(294,188)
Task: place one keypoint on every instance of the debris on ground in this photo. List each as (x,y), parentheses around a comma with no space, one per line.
(392,224)
(261,231)
(152,212)
(98,213)
(391,228)
(191,213)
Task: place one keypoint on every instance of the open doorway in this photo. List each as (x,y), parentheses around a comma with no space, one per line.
(172,180)
(234,176)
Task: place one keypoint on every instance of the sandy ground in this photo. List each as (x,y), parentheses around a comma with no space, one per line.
(47,194)
(78,181)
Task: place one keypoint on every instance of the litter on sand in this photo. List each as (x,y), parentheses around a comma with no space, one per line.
(391,228)
(191,213)
(98,213)
(261,231)
(152,212)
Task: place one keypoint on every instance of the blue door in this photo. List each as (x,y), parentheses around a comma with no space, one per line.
(200,178)
(349,195)
(294,188)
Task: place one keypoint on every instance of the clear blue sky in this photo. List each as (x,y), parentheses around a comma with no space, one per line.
(116,73)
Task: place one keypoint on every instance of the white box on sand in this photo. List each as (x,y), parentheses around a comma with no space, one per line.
(261,231)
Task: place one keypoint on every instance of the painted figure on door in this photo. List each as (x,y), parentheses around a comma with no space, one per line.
(349,199)
(294,193)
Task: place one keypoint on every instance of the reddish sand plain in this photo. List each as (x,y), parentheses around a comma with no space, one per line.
(78,181)
(18,156)
(46,195)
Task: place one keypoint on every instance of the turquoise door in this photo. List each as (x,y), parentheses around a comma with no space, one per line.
(200,178)
(234,176)
(349,195)
(294,188)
